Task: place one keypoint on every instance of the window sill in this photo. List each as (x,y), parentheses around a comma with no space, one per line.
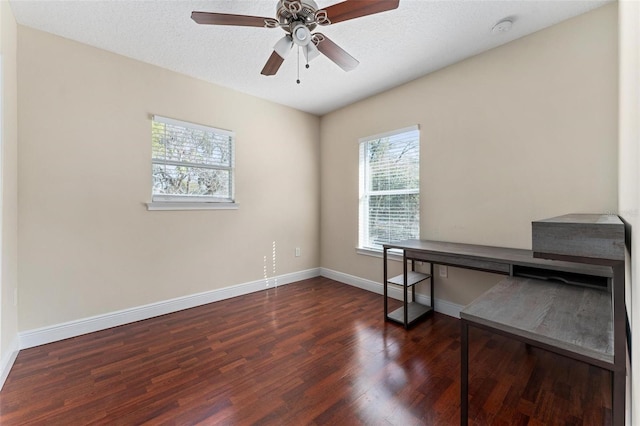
(391,254)
(167,205)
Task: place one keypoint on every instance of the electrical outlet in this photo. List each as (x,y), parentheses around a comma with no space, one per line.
(297,251)
(443,271)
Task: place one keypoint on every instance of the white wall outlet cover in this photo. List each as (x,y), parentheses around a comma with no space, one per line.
(443,271)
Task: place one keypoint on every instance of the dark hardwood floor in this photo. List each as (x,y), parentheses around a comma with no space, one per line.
(313,352)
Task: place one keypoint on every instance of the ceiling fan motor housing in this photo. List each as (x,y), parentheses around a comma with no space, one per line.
(292,14)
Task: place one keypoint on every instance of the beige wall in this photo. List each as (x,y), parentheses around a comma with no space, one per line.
(629,185)
(522,132)
(9,181)
(88,246)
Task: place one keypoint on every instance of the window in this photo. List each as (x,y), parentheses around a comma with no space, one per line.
(389,188)
(191,163)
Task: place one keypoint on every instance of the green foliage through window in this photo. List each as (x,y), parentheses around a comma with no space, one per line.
(191,161)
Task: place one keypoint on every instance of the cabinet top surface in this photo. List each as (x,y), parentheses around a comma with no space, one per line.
(584,219)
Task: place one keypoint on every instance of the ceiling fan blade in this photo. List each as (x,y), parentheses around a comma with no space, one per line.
(273,64)
(350,9)
(335,53)
(210,18)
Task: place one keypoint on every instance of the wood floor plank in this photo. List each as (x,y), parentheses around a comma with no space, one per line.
(310,353)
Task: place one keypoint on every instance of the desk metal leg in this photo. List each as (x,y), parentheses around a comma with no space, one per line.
(433,301)
(384,281)
(618,387)
(464,373)
(406,305)
(413,287)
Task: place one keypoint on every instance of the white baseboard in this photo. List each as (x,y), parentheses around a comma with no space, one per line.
(8,358)
(44,335)
(442,306)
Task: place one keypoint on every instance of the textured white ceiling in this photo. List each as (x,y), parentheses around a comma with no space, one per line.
(393,47)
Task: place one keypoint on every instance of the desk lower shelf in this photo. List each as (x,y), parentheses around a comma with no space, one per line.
(413,278)
(415,311)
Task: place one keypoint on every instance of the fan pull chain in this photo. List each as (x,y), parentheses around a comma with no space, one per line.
(298,80)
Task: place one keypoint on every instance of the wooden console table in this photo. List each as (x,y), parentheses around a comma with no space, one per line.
(530,276)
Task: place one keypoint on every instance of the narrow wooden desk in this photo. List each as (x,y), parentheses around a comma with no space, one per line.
(606,276)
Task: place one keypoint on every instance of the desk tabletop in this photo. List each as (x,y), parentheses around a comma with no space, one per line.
(511,256)
(573,318)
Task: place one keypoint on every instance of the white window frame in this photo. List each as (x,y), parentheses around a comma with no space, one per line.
(195,202)
(364,192)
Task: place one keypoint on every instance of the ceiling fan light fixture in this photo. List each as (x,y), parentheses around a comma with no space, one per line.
(301,35)
(311,52)
(283,46)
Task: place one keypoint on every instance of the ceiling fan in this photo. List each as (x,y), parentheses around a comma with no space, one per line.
(298,18)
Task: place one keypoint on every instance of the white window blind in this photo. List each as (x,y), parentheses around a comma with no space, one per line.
(191,162)
(389,188)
